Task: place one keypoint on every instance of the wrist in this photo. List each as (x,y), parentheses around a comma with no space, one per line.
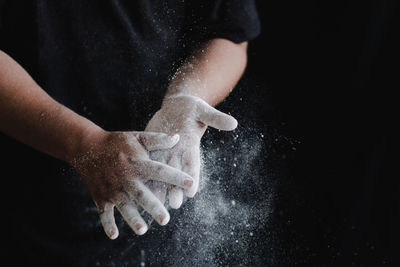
(182,96)
(194,92)
(87,138)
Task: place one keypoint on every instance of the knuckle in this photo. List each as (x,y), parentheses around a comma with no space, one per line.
(104,206)
(138,168)
(132,219)
(120,201)
(139,194)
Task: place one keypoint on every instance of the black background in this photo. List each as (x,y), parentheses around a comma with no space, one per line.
(325,74)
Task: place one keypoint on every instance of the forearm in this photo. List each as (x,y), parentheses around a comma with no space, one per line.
(209,75)
(211,72)
(31,116)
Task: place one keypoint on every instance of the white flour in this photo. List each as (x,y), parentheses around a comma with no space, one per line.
(219,226)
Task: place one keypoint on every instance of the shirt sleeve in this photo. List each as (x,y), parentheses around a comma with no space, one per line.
(235,20)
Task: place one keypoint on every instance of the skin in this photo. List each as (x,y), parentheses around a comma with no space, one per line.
(114,165)
(204,80)
(211,72)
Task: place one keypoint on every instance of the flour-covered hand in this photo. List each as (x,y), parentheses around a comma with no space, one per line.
(115,165)
(189,117)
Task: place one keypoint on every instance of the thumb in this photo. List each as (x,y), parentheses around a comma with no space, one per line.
(215,118)
(156,141)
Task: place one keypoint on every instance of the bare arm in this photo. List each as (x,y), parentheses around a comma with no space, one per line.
(204,80)
(30,115)
(113,165)
(212,71)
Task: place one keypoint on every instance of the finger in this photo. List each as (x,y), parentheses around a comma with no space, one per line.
(156,141)
(157,171)
(191,166)
(215,118)
(175,197)
(131,215)
(159,189)
(146,199)
(108,221)
(175,194)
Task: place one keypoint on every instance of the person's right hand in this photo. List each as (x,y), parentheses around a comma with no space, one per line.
(114,166)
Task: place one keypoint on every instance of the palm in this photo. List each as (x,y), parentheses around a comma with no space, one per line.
(188,116)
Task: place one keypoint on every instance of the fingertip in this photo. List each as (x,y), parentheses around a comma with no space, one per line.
(217,119)
(113,233)
(175,206)
(141,229)
(175,198)
(188,182)
(163,219)
(228,123)
(190,192)
(234,124)
(174,138)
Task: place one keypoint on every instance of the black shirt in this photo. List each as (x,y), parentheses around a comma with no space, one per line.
(111,62)
(106,59)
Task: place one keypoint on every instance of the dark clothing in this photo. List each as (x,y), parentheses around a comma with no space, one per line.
(106,59)
(111,62)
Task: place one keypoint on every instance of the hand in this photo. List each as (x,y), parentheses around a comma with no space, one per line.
(187,116)
(114,167)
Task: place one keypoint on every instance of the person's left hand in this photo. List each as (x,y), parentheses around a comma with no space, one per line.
(188,116)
